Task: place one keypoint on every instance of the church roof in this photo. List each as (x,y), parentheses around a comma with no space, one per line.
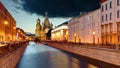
(46,20)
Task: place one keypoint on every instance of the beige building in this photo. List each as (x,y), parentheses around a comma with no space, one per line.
(7,25)
(85,28)
(60,33)
(110,21)
(99,26)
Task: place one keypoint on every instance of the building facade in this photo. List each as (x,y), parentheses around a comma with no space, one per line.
(99,26)
(43,31)
(7,25)
(60,33)
(85,28)
(110,21)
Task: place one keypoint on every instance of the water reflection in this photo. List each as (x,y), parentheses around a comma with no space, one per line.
(42,56)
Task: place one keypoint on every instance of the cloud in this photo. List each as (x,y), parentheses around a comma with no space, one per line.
(14,10)
(58,8)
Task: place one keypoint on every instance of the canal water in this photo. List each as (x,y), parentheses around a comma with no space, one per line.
(43,56)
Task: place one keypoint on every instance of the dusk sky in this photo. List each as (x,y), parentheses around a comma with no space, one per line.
(26,12)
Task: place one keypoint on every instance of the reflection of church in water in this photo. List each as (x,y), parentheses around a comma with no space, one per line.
(43,31)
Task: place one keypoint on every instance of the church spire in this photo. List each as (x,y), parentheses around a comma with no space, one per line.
(46,14)
(46,21)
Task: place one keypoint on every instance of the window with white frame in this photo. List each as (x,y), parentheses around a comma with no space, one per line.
(106,17)
(118,38)
(102,8)
(111,28)
(118,2)
(118,13)
(111,16)
(118,27)
(106,6)
(110,38)
(110,4)
(102,18)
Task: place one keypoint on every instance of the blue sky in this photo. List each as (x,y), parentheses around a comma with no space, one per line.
(26,12)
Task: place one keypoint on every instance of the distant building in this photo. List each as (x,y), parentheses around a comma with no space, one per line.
(7,25)
(20,34)
(60,33)
(30,36)
(43,31)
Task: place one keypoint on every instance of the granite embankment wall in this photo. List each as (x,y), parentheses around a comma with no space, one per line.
(111,56)
(10,58)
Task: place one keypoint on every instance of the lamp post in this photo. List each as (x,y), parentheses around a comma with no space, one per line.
(75,37)
(6,23)
(93,38)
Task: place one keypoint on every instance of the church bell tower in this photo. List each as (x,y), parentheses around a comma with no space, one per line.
(38,28)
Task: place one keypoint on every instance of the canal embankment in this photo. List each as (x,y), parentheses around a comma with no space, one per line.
(108,55)
(11,54)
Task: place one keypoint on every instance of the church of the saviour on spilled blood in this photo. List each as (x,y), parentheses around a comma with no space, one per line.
(43,31)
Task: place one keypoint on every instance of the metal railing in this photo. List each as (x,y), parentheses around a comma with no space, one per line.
(11,46)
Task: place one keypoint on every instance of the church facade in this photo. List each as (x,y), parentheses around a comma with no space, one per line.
(43,30)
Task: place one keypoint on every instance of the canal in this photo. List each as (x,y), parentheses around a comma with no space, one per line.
(43,56)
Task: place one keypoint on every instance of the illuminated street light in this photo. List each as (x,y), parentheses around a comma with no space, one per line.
(5,22)
(14,27)
(93,37)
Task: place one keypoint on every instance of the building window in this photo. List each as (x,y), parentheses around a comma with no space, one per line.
(110,16)
(102,18)
(106,29)
(118,27)
(102,8)
(106,6)
(118,2)
(106,17)
(118,38)
(111,28)
(118,13)
(110,4)
(102,30)
(110,38)
(0,38)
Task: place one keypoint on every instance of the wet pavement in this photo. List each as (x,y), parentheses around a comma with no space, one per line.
(43,56)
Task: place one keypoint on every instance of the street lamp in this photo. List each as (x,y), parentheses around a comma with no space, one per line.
(6,23)
(75,37)
(14,27)
(93,37)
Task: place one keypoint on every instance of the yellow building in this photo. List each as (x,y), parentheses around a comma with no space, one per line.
(60,33)
(7,25)
(43,31)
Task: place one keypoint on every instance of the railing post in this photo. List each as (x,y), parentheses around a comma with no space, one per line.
(117,46)
(9,47)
